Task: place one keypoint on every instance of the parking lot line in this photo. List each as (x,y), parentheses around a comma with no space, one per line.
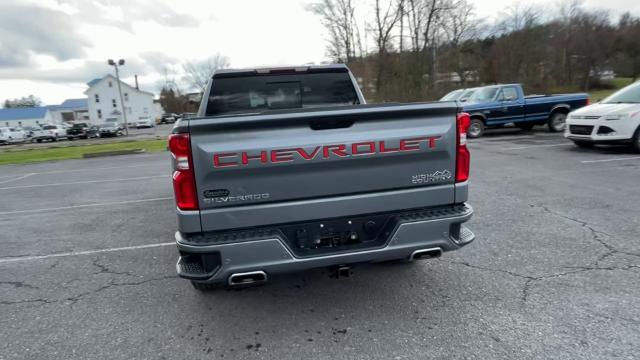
(93,169)
(82,182)
(17,178)
(31,211)
(77,253)
(535,146)
(607,160)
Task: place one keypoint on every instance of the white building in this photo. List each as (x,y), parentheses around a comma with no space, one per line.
(104,101)
(71,110)
(158,110)
(19,117)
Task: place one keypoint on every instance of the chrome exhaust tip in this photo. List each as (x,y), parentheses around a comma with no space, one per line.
(423,254)
(247,278)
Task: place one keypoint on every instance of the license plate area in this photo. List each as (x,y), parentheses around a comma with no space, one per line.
(339,235)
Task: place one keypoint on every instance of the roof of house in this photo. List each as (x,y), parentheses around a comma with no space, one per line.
(97,80)
(23,113)
(75,103)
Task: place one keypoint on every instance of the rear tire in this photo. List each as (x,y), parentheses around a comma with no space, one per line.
(584,144)
(636,141)
(557,121)
(476,128)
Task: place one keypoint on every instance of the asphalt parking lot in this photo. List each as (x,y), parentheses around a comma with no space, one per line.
(87,270)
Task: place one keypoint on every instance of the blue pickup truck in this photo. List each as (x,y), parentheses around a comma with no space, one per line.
(497,105)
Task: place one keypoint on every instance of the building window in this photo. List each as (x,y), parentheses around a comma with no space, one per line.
(99,114)
(129,110)
(19,123)
(110,84)
(126,97)
(113,103)
(97,98)
(146,110)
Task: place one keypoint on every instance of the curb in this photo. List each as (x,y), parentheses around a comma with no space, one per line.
(112,153)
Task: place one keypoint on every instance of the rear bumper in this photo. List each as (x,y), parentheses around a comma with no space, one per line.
(268,251)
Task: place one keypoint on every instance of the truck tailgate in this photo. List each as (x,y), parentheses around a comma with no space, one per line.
(282,167)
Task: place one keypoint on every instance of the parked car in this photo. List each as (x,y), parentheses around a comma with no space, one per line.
(453,95)
(9,135)
(277,188)
(144,122)
(614,120)
(168,118)
(110,128)
(496,105)
(461,95)
(466,94)
(54,132)
(30,131)
(82,131)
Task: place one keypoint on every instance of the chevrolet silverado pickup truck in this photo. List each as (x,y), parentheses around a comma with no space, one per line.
(496,105)
(287,169)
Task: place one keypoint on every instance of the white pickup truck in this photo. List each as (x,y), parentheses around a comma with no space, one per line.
(11,135)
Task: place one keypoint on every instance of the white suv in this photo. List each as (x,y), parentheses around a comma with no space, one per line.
(614,120)
(56,132)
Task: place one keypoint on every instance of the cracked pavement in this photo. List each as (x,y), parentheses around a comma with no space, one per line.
(554,272)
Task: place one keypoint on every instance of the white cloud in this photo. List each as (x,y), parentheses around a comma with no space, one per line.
(51,48)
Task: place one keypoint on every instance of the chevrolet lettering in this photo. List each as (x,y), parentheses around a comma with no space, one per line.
(324,152)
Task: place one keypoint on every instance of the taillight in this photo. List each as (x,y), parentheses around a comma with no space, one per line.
(588,101)
(184,182)
(463,156)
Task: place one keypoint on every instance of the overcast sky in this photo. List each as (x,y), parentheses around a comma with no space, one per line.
(51,48)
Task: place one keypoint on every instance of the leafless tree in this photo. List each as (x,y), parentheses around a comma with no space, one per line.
(460,25)
(338,17)
(198,73)
(519,16)
(386,17)
(402,13)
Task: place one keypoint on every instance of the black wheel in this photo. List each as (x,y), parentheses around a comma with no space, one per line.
(583,144)
(205,287)
(525,126)
(636,140)
(557,121)
(476,128)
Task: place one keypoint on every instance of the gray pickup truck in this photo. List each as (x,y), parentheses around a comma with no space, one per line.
(288,169)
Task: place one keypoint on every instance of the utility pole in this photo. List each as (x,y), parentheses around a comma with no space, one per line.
(124,113)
